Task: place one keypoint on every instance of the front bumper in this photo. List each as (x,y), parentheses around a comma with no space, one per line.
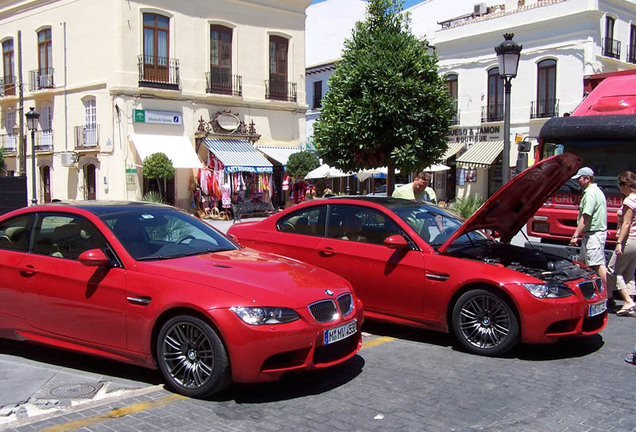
(265,353)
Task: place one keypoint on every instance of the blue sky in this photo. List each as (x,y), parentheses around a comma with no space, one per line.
(407,3)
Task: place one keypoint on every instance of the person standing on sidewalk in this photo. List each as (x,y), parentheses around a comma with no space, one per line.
(622,265)
(592,224)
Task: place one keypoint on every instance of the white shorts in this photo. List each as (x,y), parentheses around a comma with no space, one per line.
(593,248)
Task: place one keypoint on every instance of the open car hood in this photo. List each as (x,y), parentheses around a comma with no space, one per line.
(511,206)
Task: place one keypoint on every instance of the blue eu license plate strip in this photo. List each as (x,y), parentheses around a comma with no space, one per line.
(341,332)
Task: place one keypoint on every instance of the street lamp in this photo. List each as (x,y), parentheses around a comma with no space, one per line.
(508,53)
(32,123)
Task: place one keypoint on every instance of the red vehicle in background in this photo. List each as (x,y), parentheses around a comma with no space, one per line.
(602,131)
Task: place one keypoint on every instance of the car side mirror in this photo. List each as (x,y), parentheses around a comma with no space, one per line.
(93,258)
(396,242)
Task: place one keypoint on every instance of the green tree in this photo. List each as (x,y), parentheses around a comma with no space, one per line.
(299,164)
(158,166)
(3,164)
(386,103)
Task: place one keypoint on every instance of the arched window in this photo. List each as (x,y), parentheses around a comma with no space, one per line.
(8,81)
(494,110)
(611,47)
(45,60)
(220,59)
(89,182)
(45,179)
(546,104)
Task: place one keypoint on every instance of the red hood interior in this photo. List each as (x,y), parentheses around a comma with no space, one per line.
(511,206)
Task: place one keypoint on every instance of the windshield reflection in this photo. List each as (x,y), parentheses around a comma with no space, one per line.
(436,225)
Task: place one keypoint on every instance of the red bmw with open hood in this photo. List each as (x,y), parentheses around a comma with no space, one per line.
(418,264)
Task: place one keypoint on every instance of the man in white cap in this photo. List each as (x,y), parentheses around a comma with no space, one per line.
(592,224)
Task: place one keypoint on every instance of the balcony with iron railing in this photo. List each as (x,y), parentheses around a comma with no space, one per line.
(43,141)
(7,86)
(87,137)
(493,112)
(611,48)
(9,143)
(41,79)
(631,54)
(223,83)
(280,90)
(544,108)
(158,72)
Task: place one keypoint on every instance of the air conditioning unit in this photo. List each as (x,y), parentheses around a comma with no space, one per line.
(480,9)
(68,159)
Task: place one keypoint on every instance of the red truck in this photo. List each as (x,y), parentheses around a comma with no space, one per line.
(601,130)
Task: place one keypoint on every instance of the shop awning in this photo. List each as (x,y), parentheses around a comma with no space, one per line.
(453,149)
(480,155)
(178,149)
(278,153)
(238,155)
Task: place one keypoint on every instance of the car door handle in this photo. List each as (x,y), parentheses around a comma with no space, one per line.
(327,251)
(141,301)
(28,271)
(438,277)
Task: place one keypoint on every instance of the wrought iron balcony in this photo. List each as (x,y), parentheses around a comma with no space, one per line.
(631,54)
(43,141)
(280,90)
(41,79)
(158,72)
(86,137)
(9,143)
(492,112)
(611,48)
(223,83)
(544,108)
(7,86)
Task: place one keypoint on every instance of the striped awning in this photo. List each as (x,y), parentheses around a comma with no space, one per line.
(278,153)
(480,155)
(453,149)
(238,155)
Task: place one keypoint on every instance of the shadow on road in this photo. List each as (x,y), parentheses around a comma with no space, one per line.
(81,363)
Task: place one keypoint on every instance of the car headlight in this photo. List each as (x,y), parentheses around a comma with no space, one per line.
(265,315)
(548,290)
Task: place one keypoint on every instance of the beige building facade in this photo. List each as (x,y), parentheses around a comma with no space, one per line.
(114,81)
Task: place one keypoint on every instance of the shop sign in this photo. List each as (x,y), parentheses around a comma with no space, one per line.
(131,178)
(157,117)
(475,134)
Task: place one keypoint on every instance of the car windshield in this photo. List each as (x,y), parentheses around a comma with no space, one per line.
(150,233)
(436,225)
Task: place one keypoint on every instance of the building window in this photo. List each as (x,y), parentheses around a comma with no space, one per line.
(631,55)
(278,47)
(546,103)
(156,53)
(45,179)
(46,134)
(44,75)
(494,110)
(611,47)
(317,95)
(8,83)
(90,122)
(89,182)
(220,59)
(452,82)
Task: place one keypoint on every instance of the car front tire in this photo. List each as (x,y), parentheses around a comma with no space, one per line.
(484,323)
(192,357)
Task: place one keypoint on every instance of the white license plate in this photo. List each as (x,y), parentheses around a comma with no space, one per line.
(597,308)
(341,332)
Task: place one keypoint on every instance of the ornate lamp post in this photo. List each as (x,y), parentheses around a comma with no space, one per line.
(508,53)
(32,123)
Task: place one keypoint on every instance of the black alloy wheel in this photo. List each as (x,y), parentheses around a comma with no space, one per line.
(484,323)
(192,358)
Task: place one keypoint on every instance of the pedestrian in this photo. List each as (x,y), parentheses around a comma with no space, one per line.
(592,224)
(622,265)
(419,190)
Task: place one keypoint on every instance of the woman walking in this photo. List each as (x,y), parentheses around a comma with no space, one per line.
(622,265)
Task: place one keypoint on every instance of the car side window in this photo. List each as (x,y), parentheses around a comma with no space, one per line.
(15,234)
(308,221)
(65,236)
(360,224)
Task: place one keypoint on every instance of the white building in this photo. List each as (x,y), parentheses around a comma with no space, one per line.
(563,42)
(114,81)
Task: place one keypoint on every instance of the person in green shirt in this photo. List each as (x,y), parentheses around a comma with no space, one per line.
(592,223)
(419,190)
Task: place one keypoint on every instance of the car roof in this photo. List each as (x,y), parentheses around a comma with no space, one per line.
(104,207)
(388,202)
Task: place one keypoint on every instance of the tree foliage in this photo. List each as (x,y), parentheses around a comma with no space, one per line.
(158,166)
(299,164)
(386,104)
(3,164)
